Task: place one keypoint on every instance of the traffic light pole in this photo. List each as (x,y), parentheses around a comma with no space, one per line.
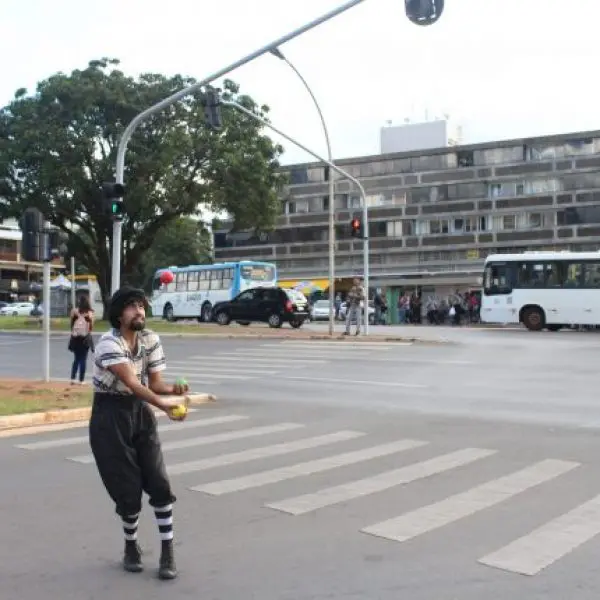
(343,174)
(120,162)
(45,241)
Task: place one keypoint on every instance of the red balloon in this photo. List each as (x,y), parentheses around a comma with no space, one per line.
(166,277)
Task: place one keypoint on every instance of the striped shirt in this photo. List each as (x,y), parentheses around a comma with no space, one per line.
(112,349)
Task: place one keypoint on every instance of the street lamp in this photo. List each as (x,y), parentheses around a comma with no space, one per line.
(277,52)
(337,170)
(422,12)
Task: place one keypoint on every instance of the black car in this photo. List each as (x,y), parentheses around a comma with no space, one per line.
(272,305)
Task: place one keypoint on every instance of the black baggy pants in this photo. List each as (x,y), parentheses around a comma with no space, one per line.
(125,444)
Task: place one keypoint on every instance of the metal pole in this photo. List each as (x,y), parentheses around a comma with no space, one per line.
(120,162)
(73,292)
(337,170)
(47,303)
(276,52)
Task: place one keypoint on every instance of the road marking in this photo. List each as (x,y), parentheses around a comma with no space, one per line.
(224,368)
(228,436)
(295,355)
(84,439)
(533,552)
(379,483)
(285,362)
(354,381)
(234,458)
(204,374)
(14,342)
(226,486)
(349,346)
(459,506)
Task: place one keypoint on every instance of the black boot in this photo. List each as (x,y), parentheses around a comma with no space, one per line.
(132,559)
(167,568)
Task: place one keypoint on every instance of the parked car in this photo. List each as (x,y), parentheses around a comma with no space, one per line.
(18,309)
(320,311)
(274,306)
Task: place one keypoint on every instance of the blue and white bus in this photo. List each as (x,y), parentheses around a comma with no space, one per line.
(196,288)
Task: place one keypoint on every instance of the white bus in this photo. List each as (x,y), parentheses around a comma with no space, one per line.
(542,289)
(196,288)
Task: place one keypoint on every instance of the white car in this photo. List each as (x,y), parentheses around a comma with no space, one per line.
(344,308)
(320,311)
(18,309)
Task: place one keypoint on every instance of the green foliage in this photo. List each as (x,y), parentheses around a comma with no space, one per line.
(183,241)
(58,145)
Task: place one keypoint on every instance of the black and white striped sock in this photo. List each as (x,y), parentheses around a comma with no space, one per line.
(164,519)
(130,527)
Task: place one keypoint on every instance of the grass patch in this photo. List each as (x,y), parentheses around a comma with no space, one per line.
(9,323)
(23,396)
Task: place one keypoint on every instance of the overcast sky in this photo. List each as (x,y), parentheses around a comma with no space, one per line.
(499,68)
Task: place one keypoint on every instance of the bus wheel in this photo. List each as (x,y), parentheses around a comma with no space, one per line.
(533,318)
(168,313)
(206,312)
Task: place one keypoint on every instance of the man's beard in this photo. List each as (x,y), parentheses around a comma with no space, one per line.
(137,325)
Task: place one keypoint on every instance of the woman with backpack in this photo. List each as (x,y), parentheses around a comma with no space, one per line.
(81,342)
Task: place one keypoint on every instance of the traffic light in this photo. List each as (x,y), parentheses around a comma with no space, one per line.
(113,200)
(424,12)
(58,244)
(356,228)
(32,225)
(212,109)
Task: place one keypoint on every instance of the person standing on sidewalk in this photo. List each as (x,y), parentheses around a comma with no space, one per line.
(356,296)
(81,342)
(123,431)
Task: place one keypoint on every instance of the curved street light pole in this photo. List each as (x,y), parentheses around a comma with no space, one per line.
(337,169)
(137,120)
(277,52)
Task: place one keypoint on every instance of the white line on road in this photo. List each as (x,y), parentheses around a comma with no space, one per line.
(206,373)
(251,454)
(355,381)
(533,552)
(218,368)
(14,342)
(83,439)
(459,506)
(217,488)
(349,346)
(379,483)
(211,439)
(281,361)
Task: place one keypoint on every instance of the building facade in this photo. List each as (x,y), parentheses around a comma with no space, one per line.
(434,215)
(19,280)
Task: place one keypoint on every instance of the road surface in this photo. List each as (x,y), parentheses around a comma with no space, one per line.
(328,470)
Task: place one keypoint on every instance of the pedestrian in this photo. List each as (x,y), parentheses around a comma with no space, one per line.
(81,342)
(356,296)
(123,432)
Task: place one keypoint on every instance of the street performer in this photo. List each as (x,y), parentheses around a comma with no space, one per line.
(123,433)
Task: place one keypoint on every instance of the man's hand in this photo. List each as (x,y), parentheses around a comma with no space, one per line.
(167,405)
(180,387)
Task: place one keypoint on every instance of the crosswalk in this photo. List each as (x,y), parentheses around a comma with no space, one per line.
(255,441)
(270,359)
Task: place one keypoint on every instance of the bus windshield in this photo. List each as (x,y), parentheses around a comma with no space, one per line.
(497,278)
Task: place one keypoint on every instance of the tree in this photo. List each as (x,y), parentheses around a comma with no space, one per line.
(183,241)
(58,145)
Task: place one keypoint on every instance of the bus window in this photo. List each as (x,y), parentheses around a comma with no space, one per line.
(497,279)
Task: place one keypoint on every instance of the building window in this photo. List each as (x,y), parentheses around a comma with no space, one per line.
(465,158)
(509,222)
(394,229)
(535,220)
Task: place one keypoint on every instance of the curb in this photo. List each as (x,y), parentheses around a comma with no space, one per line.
(68,415)
(263,336)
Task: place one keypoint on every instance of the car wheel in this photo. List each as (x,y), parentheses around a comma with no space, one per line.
(223,318)
(274,320)
(296,324)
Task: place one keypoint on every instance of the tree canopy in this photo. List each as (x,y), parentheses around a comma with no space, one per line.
(59,144)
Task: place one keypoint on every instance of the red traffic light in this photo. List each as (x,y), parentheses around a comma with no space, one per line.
(355,226)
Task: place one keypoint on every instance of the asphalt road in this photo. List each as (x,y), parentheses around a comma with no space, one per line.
(325,470)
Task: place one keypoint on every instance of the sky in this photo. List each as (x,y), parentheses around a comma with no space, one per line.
(498,68)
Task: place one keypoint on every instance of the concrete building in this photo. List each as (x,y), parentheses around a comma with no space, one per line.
(435,214)
(19,280)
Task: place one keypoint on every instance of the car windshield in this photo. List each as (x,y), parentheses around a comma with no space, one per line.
(322,304)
